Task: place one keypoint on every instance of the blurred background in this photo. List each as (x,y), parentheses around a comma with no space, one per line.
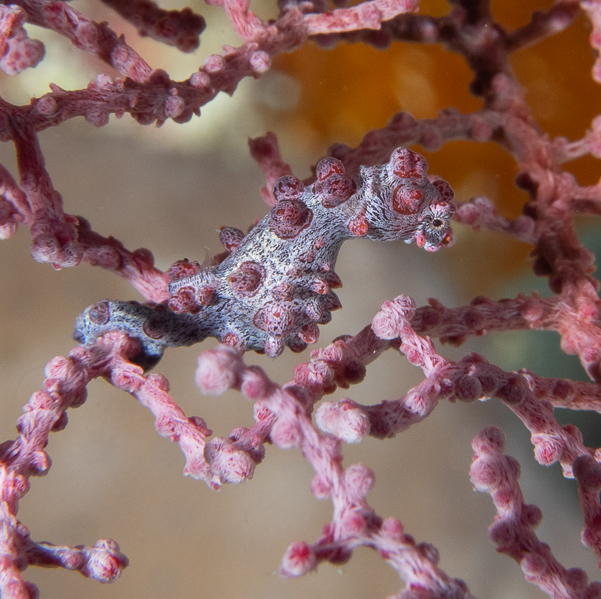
(169,189)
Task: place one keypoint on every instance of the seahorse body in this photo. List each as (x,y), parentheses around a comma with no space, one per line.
(275,286)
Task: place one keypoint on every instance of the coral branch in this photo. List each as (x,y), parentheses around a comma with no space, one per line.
(543,24)
(266,151)
(87,35)
(513,528)
(431,134)
(593,11)
(587,472)
(480,213)
(282,413)
(64,387)
(14,207)
(17,51)
(469,379)
(62,239)
(275,285)
(368,15)
(103,562)
(179,28)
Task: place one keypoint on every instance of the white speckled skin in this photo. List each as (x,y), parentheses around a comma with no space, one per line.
(276,284)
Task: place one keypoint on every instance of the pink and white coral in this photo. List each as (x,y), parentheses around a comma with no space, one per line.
(273,286)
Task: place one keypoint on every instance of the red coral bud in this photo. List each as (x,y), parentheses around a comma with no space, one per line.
(60,423)
(534,564)
(20,486)
(214,63)
(260,61)
(564,390)
(577,579)
(429,552)
(354,372)
(40,400)
(532,309)
(288,187)
(502,533)
(343,419)
(286,433)
(486,473)
(60,368)
(359,480)
(481,130)
(393,529)
(39,462)
(217,370)
(489,439)
(474,320)
(468,388)
(105,564)
(418,403)
(532,515)
(289,218)
(320,488)
(514,391)
(247,279)
(229,464)
(352,523)
(587,472)
(298,560)
(174,105)
(406,200)
(200,80)
(255,384)
(547,449)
